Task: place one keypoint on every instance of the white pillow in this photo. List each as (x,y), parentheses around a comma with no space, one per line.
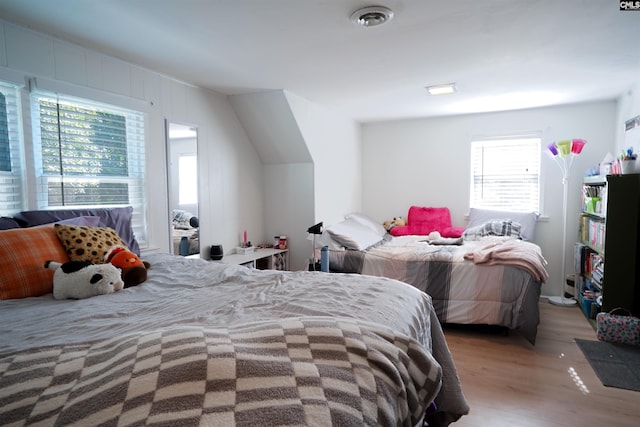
(325,239)
(353,235)
(367,222)
(526,219)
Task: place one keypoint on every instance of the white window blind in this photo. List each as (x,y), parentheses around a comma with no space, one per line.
(11,159)
(505,174)
(88,154)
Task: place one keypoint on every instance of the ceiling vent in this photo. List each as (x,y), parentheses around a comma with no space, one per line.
(372,16)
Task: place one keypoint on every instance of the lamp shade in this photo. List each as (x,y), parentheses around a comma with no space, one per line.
(577,145)
(564,148)
(552,149)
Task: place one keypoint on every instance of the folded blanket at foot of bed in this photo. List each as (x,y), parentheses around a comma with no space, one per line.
(507,251)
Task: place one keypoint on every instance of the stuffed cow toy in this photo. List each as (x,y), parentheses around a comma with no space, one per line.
(81,279)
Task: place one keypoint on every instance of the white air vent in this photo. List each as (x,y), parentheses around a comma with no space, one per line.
(372,16)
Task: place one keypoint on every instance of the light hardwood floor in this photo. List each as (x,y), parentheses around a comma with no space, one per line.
(509,382)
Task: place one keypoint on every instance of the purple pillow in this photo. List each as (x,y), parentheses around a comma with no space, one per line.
(117,218)
(89,221)
(7,223)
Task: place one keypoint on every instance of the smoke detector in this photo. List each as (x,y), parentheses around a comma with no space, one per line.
(372,16)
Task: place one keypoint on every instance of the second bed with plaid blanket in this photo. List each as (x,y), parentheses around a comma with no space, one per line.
(495,290)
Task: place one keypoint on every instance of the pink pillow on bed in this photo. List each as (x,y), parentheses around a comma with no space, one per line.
(452,232)
(423,220)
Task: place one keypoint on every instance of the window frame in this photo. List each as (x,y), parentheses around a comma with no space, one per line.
(531,159)
(13,182)
(135,179)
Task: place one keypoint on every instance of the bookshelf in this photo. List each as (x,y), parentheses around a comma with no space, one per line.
(607,257)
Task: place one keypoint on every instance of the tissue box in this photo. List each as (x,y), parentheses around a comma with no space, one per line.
(244,251)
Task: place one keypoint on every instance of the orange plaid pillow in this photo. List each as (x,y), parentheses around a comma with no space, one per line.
(23,252)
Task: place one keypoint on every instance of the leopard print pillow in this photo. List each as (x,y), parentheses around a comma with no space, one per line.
(84,243)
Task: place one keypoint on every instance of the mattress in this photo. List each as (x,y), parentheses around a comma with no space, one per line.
(196,302)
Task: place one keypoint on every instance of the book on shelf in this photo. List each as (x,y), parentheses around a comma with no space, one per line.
(592,232)
(597,276)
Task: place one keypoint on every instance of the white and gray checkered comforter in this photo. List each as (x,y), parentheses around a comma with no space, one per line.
(201,343)
(305,371)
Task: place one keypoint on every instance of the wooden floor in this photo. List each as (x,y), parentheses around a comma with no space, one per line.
(509,382)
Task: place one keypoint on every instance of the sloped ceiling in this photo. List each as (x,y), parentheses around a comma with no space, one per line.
(270,125)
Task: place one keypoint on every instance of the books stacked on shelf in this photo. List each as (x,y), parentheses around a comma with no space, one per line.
(589,265)
(592,232)
(594,199)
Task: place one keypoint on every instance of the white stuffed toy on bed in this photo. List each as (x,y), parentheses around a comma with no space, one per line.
(79,279)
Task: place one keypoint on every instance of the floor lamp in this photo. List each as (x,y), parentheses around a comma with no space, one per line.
(563,152)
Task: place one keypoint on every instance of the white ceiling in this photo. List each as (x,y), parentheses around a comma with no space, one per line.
(502,54)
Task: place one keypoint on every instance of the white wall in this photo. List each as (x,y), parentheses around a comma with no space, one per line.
(311,159)
(288,192)
(335,146)
(628,108)
(426,162)
(229,167)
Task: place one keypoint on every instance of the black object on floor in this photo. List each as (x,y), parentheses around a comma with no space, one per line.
(616,365)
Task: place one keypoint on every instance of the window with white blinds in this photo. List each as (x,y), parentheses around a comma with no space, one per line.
(88,155)
(505,174)
(11,169)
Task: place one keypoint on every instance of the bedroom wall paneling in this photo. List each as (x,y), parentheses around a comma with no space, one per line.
(228,162)
(426,162)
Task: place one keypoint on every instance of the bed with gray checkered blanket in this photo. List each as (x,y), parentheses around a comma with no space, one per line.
(305,371)
(493,281)
(204,343)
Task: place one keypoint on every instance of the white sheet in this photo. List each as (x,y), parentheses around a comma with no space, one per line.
(197,292)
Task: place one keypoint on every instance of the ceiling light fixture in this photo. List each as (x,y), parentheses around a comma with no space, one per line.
(372,16)
(442,89)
